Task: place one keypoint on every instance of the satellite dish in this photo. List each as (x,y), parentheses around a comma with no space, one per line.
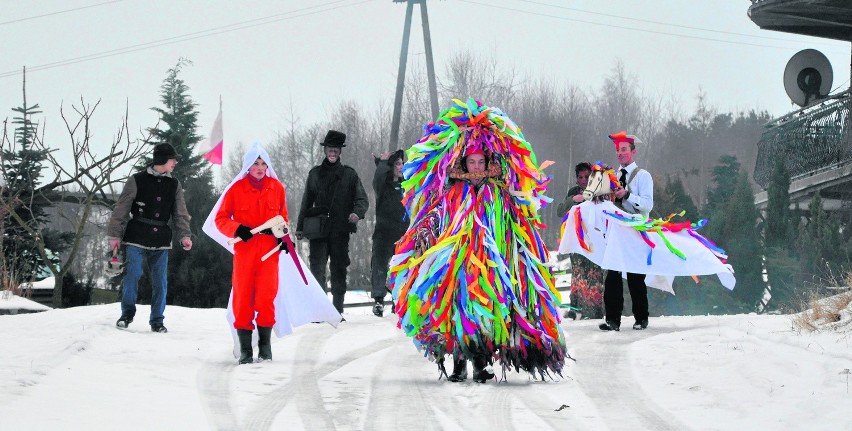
(807,77)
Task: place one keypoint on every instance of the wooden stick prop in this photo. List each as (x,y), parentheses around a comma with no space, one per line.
(274,221)
(283,232)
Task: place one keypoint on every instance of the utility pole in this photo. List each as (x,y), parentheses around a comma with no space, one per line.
(393,144)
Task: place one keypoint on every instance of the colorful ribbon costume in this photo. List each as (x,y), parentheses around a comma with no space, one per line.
(480,286)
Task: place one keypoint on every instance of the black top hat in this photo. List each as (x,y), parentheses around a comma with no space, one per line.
(334,139)
(164,152)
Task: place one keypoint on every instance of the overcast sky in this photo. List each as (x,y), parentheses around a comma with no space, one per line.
(263,56)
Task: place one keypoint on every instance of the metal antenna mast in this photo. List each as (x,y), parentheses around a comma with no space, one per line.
(393,144)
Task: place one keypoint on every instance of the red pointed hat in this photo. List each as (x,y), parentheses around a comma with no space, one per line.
(622,136)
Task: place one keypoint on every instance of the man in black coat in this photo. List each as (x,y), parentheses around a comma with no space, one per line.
(332,191)
(391,221)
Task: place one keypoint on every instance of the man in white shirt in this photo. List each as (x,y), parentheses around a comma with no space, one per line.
(635,196)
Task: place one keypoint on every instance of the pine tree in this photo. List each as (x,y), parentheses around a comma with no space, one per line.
(782,266)
(778,207)
(741,240)
(725,180)
(24,204)
(675,199)
(202,276)
(732,224)
(706,297)
(824,253)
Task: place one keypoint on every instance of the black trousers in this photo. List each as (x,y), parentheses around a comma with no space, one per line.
(614,296)
(383,248)
(333,251)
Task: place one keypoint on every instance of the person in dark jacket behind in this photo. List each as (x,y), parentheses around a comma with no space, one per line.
(152,197)
(391,221)
(335,191)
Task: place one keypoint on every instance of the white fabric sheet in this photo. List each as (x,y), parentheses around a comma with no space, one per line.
(615,245)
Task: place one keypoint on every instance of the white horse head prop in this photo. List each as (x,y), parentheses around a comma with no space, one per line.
(602,182)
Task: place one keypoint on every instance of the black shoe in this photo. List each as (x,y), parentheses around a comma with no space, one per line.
(124,321)
(245,346)
(609,326)
(158,327)
(379,309)
(640,324)
(482,376)
(481,373)
(459,371)
(264,347)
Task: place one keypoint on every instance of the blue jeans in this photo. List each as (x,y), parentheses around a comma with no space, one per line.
(158,262)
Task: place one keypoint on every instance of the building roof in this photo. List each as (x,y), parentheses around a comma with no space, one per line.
(830,19)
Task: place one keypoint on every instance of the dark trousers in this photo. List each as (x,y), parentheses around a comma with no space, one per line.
(383,248)
(333,250)
(614,296)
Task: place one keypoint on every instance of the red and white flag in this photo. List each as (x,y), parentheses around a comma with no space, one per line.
(211,148)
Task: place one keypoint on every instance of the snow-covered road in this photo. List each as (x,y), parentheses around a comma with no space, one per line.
(72,369)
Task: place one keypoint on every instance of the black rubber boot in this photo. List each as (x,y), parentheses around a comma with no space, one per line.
(245,346)
(337,300)
(264,347)
(480,372)
(459,371)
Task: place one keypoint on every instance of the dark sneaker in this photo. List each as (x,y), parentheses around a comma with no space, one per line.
(640,324)
(158,327)
(379,309)
(609,326)
(124,321)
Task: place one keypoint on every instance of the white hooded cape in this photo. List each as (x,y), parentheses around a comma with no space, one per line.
(617,246)
(296,303)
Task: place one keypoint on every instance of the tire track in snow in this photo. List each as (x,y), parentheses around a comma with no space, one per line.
(214,384)
(304,387)
(621,401)
(391,385)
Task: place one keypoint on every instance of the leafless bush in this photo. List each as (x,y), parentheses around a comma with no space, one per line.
(832,313)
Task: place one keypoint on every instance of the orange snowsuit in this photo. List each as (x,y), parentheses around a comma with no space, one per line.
(255,283)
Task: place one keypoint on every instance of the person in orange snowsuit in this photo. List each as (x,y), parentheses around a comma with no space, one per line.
(249,203)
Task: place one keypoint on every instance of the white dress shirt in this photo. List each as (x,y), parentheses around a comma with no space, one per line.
(641,188)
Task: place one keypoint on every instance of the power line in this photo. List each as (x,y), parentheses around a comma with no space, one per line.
(667,23)
(188,36)
(58,12)
(622,27)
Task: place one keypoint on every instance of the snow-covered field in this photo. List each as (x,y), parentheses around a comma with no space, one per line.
(72,369)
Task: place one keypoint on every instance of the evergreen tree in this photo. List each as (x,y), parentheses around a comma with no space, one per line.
(778,208)
(732,225)
(824,253)
(24,204)
(781,263)
(741,240)
(725,176)
(202,276)
(706,297)
(674,199)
